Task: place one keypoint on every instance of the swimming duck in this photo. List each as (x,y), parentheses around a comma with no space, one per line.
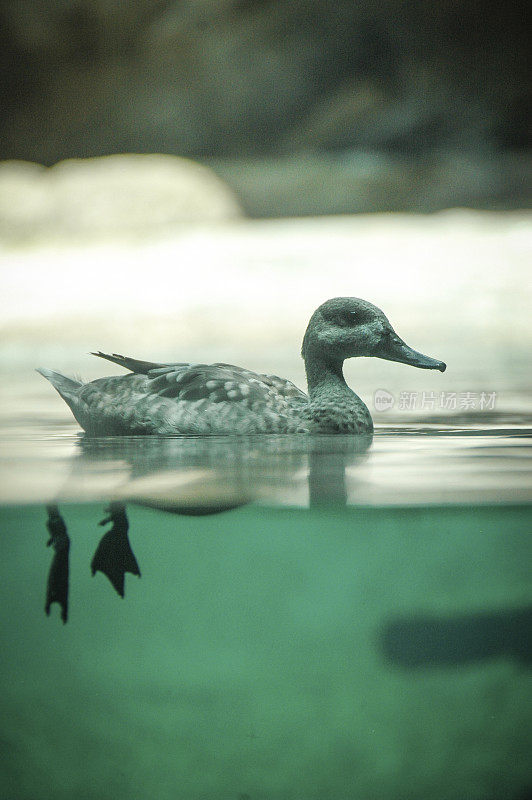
(181,398)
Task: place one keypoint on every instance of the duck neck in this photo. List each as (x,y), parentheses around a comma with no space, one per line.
(325,378)
(333,406)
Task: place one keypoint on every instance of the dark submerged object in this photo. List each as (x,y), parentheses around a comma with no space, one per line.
(223,399)
(433,641)
(58,576)
(114,556)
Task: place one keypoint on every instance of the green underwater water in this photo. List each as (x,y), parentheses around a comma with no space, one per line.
(272,653)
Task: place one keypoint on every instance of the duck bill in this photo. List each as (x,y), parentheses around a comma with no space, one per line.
(398,350)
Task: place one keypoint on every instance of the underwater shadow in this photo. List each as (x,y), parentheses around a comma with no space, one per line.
(432,641)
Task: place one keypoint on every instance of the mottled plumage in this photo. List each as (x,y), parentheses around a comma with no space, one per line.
(223,399)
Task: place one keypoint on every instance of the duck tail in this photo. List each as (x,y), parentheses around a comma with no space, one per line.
(69,389)
(65,386)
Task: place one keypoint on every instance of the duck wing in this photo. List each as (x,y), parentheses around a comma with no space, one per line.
(215,382)
(219,383)
(171,379)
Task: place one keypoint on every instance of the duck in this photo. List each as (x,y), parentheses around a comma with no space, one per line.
(219,399)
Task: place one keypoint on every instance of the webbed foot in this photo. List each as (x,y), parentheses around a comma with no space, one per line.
(114,556)
(57,585)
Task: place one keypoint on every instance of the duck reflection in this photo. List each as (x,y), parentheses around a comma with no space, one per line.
(190,476)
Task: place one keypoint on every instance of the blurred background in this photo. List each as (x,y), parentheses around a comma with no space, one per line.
(188,180)
(303,106)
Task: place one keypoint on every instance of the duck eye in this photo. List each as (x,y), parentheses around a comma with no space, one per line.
(346,319)
(359,317)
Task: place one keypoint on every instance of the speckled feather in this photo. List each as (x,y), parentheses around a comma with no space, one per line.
(193,399)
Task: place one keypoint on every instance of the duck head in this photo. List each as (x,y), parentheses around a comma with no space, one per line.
(347,327)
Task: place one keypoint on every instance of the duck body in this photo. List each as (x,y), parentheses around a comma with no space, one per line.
(203,399)
(217,399)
